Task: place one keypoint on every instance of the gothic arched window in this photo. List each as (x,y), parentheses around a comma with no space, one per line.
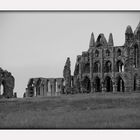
(136,56)
(108,66)
(86,68)
(96,53)
(107,53)
(97,67)
(120,66)
(119,52)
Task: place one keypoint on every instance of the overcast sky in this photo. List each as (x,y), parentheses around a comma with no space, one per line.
(36,44)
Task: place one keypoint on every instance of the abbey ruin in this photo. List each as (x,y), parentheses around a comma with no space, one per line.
(102,68)
(8,83)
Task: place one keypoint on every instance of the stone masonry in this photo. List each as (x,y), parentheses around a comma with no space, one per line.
(8,83)
(102,68)
(108,68)
(38,87)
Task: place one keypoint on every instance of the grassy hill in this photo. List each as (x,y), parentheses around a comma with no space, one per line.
(100,110)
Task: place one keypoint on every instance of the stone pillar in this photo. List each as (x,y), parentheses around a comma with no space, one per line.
(80,71)
(80,76)
(91,71)
(121,85)
(67,76)
(49,88)
(34,90)
(113,70)
(102,71)
(43,88)
(114,87)
(103,89)
(41,91)
(46,87)
(92,86)
(56,87)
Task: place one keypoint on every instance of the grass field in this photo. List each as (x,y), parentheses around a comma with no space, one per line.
(100,110)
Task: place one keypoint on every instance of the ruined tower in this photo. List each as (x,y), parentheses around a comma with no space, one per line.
(67,76)
(108,68)
(8,82)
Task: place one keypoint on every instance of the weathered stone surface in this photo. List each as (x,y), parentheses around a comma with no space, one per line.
(102,68)
(37,87)
(67,76)
(8,83)
(109,68)
(110,40)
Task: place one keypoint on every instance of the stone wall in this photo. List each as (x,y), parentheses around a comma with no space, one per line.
(38,87)
(102,68)
(8,83)
(105,67)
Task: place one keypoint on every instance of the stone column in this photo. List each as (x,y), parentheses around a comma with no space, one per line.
(103,89)
(34,90)
(44,88)
(91,71)
(102,71)
(114,87)
(56,87)
(80,76)
(121,85)
(49,88)
(41,90)
(67,76)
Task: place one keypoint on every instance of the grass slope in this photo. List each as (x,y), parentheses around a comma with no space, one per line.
(73,111)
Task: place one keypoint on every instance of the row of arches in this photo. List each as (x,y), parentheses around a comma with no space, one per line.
(108,52)
(51,87)
(107,67)
(108,84)
(42,87)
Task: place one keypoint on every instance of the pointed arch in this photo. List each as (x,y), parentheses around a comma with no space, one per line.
(119,66)
(55,86)
(120,84)
(119,52)
(97,84)
(108,66)
(86,85)
(96,53)
(97,67)
(108,84)
(86,68)
(107,52)
(136,56)
(101,40)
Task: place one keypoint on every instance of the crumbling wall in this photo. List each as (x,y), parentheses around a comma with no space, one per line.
(67,76)
(8,82)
